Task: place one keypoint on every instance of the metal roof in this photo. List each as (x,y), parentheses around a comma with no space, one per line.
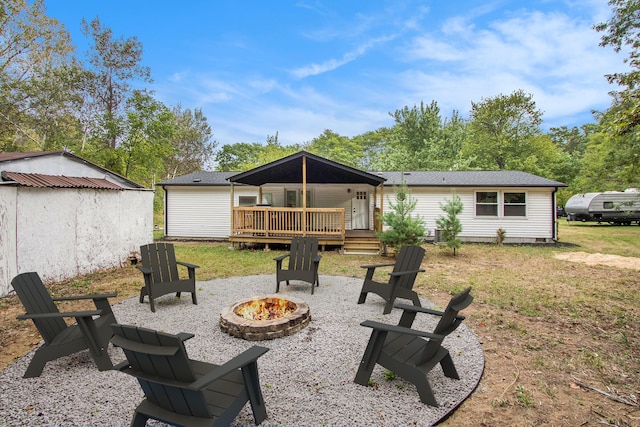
(12,156)
(53,181)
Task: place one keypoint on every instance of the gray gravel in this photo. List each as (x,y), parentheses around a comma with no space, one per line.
(307,378)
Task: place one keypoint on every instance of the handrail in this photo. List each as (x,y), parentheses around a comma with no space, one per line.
(268,221)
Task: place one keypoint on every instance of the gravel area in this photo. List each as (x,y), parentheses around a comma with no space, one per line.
(306,378)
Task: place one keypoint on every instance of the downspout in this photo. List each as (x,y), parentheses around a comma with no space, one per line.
(555,215)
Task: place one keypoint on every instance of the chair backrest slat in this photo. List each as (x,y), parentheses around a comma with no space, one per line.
(409,259)
(303,251)
(36,299)
(449,321)
(173,367)
(161,259)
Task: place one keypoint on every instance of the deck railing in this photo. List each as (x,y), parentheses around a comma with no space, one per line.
(277,222)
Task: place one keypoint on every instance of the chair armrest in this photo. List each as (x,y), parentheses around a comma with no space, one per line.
(416,309)
(248,356)
(403,273)
(144,269)
(81,297)
(183,336)
(281,257)
(186,264)
(400,330)
(88,313)
(317,258)
(377,265)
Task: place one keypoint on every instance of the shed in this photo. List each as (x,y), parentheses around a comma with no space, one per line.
(62,216)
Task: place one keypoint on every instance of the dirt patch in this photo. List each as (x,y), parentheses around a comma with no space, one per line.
(601,259)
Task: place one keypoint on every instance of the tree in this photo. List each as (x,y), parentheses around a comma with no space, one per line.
(338,148)
(423,140)
(502,131)
(403,228)
(36,78)
(193,148)
(622,31)
(237,157)
(115,65)
(450,225)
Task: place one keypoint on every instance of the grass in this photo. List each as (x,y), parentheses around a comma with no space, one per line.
(533,312)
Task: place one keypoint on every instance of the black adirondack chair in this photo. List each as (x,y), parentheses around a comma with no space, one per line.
(303,263)
(91,330)
(411,353)
(401,279)
(186,392)
(161,275)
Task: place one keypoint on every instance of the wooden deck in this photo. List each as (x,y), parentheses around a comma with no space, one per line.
(355,241)
(267,225)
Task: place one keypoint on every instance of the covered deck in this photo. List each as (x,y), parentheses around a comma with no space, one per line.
(278,224)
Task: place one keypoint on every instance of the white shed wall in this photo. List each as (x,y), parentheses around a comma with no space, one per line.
(62,233)
(8,267)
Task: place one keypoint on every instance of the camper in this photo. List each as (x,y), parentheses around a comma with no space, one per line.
(613,207)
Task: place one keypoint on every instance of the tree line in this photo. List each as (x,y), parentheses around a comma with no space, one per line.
(102,108)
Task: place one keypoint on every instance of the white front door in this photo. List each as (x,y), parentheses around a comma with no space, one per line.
(360,211)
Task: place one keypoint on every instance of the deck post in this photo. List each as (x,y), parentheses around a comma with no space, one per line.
(304,196)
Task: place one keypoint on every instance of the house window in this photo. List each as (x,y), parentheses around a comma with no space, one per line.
(515,204)
(247,200)
(487,203)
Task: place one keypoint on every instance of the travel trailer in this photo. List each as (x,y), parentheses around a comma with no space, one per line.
(613,207)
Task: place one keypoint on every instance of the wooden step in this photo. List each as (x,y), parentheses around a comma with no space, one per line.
(364,245)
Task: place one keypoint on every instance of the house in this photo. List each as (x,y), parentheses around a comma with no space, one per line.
(304,194)
(61,216)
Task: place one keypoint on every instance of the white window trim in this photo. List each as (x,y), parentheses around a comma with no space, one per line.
(500,205)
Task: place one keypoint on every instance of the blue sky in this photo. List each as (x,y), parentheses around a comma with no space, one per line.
(299,67)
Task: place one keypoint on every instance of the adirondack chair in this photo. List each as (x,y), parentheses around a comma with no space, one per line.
(161,276)
(303,263)
(186,392)
(91,330)
(411,353)
(401,279)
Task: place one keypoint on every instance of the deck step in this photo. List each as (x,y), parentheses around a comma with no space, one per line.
(362,245)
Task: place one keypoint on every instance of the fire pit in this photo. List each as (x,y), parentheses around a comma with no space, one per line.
(265,318)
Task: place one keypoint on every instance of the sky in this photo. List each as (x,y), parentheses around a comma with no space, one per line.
(297,68)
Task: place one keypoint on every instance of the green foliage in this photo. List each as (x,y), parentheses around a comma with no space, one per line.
(622,33)
(403,228)
(338,148)
(450,225)
(503,131)
(423,140)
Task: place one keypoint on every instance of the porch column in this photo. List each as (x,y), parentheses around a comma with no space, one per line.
(231,204)
(304,196)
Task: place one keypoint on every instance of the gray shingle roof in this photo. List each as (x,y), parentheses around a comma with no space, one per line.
(469,179)
(200,178)
(413,179)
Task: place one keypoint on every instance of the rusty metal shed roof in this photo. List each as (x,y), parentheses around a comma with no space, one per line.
(53,181)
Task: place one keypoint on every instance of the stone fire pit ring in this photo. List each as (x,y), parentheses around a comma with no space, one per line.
(258,330)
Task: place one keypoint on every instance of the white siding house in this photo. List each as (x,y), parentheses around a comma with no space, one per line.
(62,216)
(523,205)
